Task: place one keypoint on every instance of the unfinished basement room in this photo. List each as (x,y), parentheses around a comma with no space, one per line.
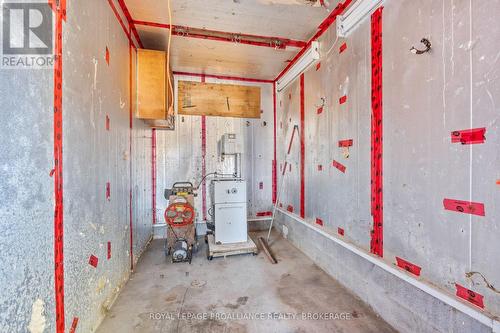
(250,166)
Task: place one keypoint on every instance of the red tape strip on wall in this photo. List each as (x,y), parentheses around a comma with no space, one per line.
(274,170)
(470,136)
(131,122)
(339,166)
(93,261)
(302,149)
(60,13)
(346,143)
(342,48)
(109,250)
(204,162)
(467,207)
(153,172)
(408,266)
(107,56)
(470,296)
(108,191)
(376,245)
(74,324)
(261,214)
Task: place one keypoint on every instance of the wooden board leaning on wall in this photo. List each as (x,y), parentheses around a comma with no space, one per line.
(223,100)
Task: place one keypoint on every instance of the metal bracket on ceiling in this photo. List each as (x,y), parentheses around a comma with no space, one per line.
(277,44)
(181,31)
(236,38)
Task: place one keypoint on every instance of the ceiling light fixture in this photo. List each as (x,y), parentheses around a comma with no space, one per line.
(308,58)
(355,15)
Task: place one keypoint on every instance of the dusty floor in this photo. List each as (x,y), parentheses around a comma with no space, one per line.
(221,292)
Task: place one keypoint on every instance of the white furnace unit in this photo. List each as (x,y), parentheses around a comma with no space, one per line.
(229,207)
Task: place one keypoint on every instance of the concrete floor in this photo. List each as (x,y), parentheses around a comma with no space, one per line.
(235,286)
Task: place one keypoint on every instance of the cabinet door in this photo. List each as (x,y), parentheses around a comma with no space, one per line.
(231,223)
(151,84)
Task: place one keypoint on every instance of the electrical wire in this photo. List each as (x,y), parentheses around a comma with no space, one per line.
(168,52)
(214,174)
(331,48)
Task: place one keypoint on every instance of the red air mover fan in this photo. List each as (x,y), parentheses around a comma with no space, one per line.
(179,214)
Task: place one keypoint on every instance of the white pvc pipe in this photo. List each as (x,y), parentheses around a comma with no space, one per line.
(482,317)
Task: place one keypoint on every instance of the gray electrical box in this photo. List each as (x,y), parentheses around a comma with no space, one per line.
(231,144)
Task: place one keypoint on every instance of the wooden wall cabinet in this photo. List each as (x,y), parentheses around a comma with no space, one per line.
(154,96)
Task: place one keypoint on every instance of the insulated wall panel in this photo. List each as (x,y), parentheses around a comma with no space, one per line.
(97,163)
(26,195)
(425,98)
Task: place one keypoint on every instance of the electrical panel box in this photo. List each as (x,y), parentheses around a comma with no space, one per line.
(231,144)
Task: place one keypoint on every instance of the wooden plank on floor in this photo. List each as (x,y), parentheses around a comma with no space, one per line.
(267,251)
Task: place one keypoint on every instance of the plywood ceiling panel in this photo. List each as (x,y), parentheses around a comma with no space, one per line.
(292,19)
(219,58)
